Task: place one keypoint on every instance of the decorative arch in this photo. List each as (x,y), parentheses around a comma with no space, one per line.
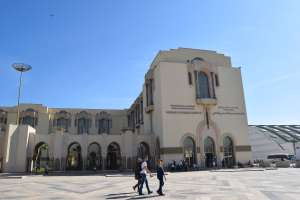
(40,156)
(189,151)
(103,122)
(228,152)
(143,150)
(74,157)
(113,158)
(29,117)
(94,156)
(203,85)
(197,59)
(62,121)
(83,122)
(210,152)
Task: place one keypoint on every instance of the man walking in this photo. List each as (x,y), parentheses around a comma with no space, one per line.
(144,172)
(137,174)
(160,176)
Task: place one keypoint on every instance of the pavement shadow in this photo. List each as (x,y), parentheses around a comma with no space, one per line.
(144,197)
(123,195)
(128,195)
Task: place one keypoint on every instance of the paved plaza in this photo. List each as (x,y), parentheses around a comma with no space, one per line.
(204,185)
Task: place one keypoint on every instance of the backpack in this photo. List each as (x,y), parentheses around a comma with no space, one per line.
(138,170)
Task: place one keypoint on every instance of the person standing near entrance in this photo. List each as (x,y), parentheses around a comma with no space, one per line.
(160,176)
(144,172)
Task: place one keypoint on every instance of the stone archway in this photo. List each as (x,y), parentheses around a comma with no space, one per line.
(228,148)
(74,157)
(113,158)
(213,132)
(209,152)
(189,151)
(40,156)
(143,151)
(94,156)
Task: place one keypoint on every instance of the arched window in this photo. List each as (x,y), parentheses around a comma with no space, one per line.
(209,150)
(113,157)
(29,117)
(94,156)
(189,151)
(74,159)
(202,85)
(143,151)
(229,159)
(103,122)
(83,122)
(62,121)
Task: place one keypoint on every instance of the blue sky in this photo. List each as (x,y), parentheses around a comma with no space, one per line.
(94,54)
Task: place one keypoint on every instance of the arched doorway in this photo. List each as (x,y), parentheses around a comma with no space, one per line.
(209,150)
(94,156)
(229,159)
(74,159)
(113,157)
(40,156)
(143,151)
(189,151)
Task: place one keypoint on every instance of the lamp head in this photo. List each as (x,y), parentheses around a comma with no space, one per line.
(21,67)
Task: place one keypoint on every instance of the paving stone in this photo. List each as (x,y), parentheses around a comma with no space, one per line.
(278,184)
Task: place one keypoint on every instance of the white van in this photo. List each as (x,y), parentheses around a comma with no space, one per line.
(280,160)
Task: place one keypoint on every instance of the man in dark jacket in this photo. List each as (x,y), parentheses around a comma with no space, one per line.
(137,174)
(160,176)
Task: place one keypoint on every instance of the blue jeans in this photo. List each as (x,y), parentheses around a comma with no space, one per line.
(143,180)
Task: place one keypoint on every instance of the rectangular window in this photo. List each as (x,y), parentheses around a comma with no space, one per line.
(217,80)
(213,84)
(149,92)
(142,112)
(190,78)
(197,85)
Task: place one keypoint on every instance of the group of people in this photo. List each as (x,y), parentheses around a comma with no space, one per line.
(141,172)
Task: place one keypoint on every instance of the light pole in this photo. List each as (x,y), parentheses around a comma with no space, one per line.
(20,67)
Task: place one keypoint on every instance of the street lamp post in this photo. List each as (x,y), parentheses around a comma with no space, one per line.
(20,67)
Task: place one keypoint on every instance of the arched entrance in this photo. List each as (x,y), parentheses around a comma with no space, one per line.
(94,156)
(74,159)
(229,159)
(143,151)
(209,150)
(113,157)
(40,157)
(189,151)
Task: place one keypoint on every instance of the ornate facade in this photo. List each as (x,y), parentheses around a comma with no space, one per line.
(191,108)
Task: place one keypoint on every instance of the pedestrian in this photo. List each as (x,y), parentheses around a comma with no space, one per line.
(37,167)
(143,173)
(46,169)
(137,174)
(160,176)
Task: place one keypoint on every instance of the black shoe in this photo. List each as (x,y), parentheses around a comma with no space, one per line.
(161,194)
(150,192)
(141,194)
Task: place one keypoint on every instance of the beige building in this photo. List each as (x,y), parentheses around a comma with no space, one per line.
(191,108)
